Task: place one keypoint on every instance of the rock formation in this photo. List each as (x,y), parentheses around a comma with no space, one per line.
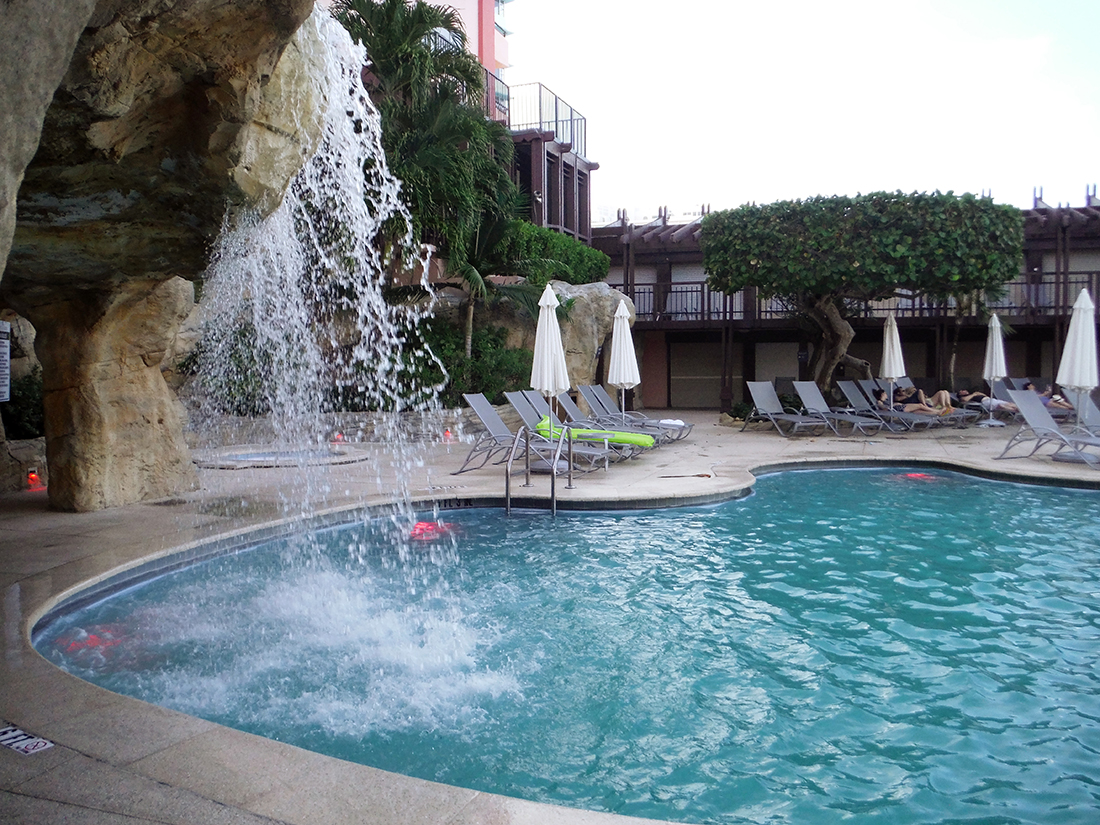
(587,331)
(168,111)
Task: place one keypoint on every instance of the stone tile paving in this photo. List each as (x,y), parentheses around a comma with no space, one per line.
(117,760)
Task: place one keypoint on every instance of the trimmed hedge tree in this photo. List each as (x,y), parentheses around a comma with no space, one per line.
(825,253)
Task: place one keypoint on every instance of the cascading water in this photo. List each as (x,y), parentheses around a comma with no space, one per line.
(296,313)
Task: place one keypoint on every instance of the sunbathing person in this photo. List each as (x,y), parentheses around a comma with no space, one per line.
(1048,397)
(987,403)
(900,404)
(939,403)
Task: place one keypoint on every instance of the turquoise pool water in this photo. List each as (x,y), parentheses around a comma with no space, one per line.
(865,646)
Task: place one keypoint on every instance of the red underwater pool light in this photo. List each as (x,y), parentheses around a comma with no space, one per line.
(430,530)
(98,639)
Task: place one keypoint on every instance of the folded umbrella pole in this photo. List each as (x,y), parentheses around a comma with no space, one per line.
(893,363)
(995,368)
(1078,371)
(623,370)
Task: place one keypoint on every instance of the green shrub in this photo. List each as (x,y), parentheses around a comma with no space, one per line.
(493,370)
(741,410)
(578,264)
(23,415)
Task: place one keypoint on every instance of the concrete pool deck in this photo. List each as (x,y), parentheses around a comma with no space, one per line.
(118,760)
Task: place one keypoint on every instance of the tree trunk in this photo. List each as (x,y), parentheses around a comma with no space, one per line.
(470,328)
(954,351)
(836,335)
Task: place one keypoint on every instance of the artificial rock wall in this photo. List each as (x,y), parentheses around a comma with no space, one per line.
(127,127)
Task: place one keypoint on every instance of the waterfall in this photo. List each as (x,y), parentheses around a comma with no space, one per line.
(296,315)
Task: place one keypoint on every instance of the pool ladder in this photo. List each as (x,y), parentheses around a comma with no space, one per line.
(524,434)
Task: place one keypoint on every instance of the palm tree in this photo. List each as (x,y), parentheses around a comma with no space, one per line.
(452,161)
(487,254)
(411,49)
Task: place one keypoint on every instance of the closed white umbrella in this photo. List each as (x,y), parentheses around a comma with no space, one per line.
(623,370)
(994,368)
(549,373)
(1078,370)
(893,362)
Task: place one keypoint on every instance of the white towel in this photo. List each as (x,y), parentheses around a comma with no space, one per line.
(672,422)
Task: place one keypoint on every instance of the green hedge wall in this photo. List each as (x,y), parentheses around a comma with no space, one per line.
(581,264)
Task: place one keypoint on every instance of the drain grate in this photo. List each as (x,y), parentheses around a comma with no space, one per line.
(21,741)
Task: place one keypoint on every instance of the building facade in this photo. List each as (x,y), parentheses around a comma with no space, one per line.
(551,166)
(697,347)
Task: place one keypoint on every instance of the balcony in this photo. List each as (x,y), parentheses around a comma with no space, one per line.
(693,304)
(496,99)
(533,106)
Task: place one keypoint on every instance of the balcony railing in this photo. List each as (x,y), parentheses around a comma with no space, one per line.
(496,101)
(692,301)
(534,106)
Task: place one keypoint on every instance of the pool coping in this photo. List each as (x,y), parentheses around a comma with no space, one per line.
(421,800)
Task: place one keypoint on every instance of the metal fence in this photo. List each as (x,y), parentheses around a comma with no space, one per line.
(533,106)
(1047,294)
(497,99)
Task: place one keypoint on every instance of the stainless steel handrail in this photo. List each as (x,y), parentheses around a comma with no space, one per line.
(566,436)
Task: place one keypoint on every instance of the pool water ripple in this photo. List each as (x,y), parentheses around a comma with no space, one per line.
(873,646)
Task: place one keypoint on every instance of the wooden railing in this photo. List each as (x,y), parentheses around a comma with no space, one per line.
(1045,294)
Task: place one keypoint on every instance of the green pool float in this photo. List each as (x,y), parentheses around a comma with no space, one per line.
(544,428)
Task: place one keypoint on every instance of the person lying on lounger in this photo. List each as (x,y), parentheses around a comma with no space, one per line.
(1048,397)
(937,404)
(987,403)
(903,405)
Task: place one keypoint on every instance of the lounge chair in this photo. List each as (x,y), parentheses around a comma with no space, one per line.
(499,440)
(814,404)
(857,401)
(617,437)
(1088,414)
(550,428)
(496,439)
(575,418)
(896,420)
(675,427)
(1001,390)
(1041,428)
(998,390)
(605,410)
(768,407)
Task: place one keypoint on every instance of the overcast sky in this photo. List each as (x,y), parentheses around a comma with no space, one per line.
(726,102)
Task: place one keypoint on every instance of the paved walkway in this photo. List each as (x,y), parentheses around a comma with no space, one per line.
(118,760)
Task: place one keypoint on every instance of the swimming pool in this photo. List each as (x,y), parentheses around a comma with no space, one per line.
(880,645)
